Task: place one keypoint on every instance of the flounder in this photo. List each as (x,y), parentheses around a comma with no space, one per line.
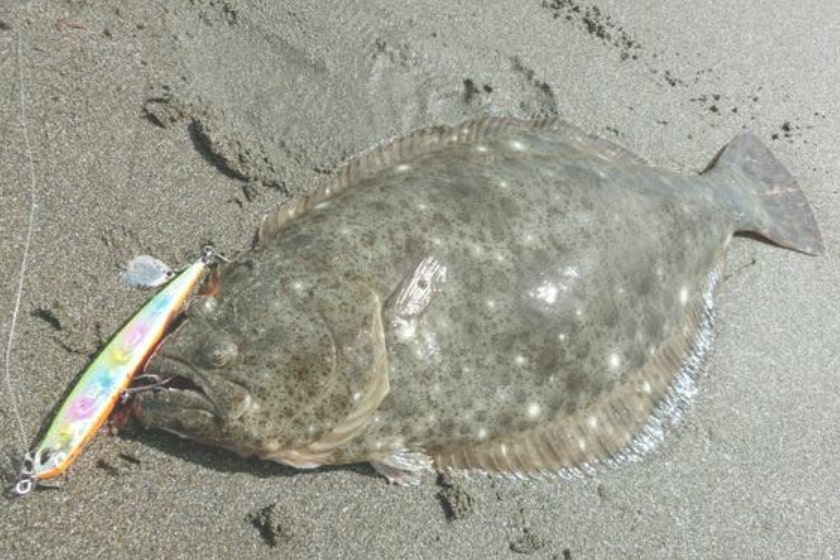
(506,296)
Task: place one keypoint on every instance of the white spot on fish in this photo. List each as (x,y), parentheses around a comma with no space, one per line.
(482,149)
(578,312)
(614,361)
(482,433)
(491,304)
(546,292)
(403,167)
(646,388)
(405,330)
(534,410)
(422,206)
(562,337)
(683,295)
(581,444)
(592,422)
(322,205)
(517,145)
(520,360)
(503,184)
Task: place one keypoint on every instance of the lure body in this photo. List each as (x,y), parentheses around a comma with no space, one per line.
(96,393)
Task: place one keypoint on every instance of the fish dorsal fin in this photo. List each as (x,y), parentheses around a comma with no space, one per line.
(429,140)
(591,144)
(622,425)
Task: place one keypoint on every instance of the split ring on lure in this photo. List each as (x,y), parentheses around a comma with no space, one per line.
(99,388)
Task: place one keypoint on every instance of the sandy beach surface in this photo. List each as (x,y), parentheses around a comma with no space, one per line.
(157,127)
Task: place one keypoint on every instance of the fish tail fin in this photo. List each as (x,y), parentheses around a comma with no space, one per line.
(767,197)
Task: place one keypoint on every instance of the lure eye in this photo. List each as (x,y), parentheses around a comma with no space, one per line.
(42,458)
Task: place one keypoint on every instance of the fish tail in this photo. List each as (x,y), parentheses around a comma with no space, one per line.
(766,196)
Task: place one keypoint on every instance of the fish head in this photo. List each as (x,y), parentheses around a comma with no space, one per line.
(290,380)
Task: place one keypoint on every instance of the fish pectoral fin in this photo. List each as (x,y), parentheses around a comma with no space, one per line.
(403,467)
(412,298)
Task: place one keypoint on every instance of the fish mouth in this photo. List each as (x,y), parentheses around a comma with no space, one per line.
(185,386)
(173,381)
(178,383)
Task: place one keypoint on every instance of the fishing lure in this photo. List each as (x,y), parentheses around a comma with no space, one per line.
(101,385)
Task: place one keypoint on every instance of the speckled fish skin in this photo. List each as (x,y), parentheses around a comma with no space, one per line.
(506,296)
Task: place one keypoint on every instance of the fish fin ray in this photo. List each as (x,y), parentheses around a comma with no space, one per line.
(403,467)
(770,201)
(430,140)
(591,144)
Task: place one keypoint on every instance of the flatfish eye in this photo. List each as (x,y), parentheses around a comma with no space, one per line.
(222,354)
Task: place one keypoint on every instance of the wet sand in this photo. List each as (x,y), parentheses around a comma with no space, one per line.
(162,126)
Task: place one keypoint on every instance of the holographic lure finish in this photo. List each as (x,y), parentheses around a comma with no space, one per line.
(99,388)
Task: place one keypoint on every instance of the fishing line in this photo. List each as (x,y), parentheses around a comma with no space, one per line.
(24,259)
